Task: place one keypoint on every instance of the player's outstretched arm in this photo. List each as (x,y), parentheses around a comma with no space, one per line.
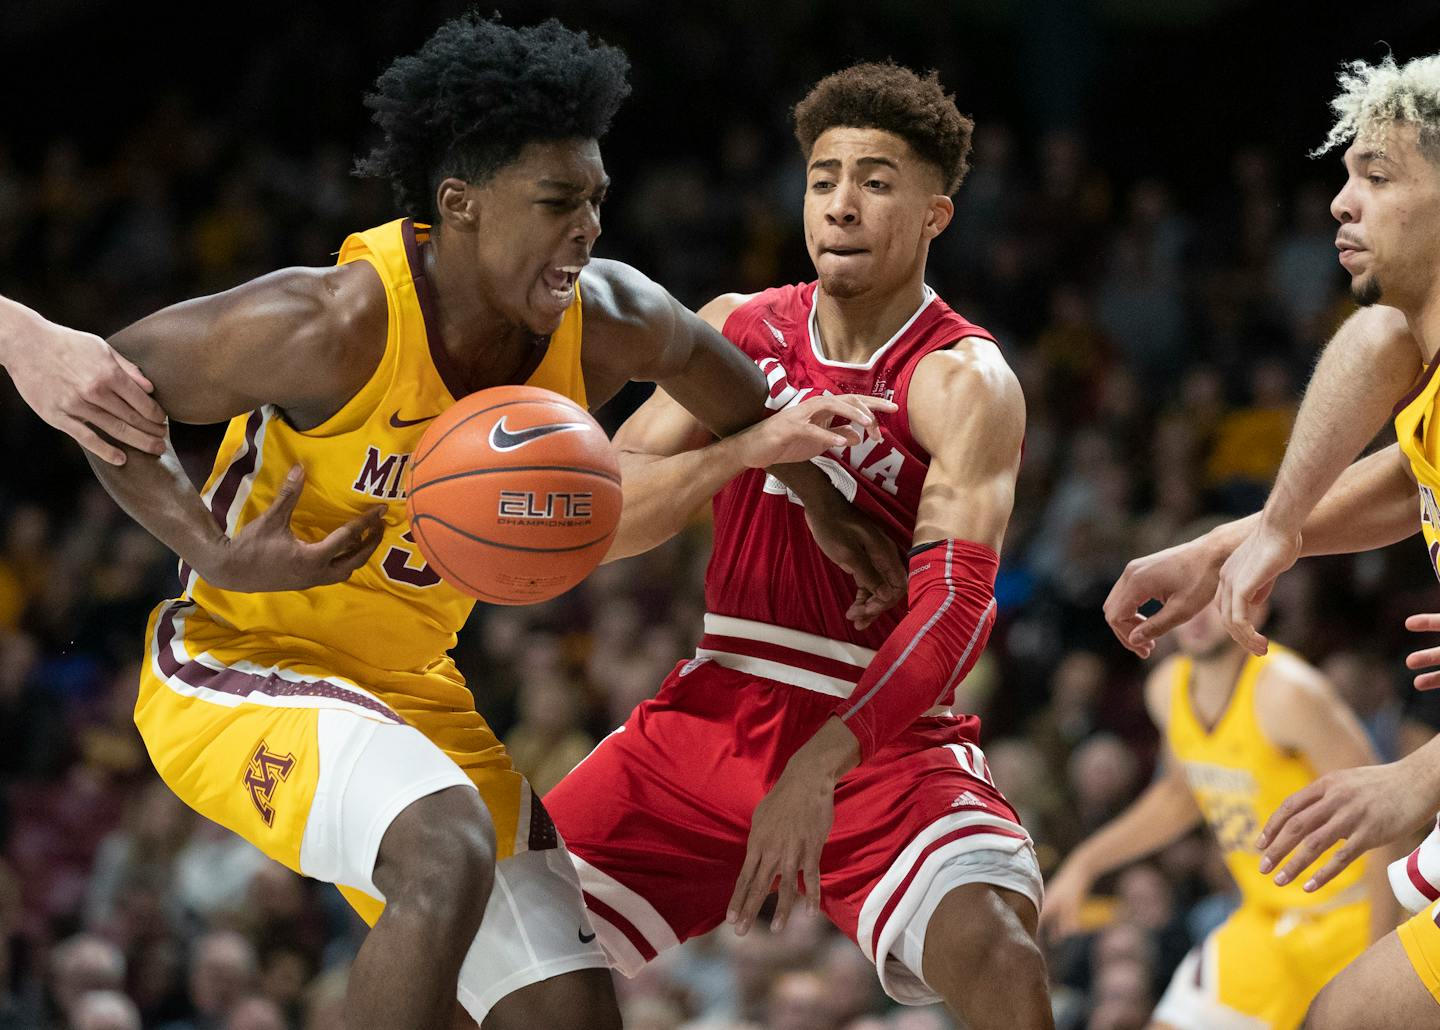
(303,340)
(78,384)
(1298,710)
(967,411)
(1371,505)
(1366,367)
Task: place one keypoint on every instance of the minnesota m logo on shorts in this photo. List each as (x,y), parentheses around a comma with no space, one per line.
(265,772)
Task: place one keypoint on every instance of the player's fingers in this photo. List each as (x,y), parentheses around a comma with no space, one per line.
(286,497)
(151,439)
(823,409)
(1423,622)
(1315,844)
(873,403)
(742,888)
(755,895)
(358,534)
(789,875)
(90,440)
(135,390)
(139,378)
(890,566)
(812,881)
(1336,864)
(1178,608)
(1284,827)
(1428,658)
(1427,681)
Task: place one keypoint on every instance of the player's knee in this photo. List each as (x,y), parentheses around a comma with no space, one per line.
(976,934)
(439,855)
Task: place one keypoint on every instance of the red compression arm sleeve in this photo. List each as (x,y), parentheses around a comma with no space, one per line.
(952,608)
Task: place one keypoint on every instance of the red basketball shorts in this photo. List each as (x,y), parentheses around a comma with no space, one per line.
(658,817)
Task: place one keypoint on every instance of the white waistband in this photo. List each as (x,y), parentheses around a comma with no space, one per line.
(794,668)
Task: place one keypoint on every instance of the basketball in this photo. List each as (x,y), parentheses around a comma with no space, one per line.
(514,495)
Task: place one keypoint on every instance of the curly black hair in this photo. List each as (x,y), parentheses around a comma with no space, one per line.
(893,98)
(468,101)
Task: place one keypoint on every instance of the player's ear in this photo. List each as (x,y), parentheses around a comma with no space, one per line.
(457,204)
(938,216)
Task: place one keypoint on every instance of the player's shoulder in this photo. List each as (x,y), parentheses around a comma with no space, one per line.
(718,311)
(617,293)
(970,370)
(1287,680)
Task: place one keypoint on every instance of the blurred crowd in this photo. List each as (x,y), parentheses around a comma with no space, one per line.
(1162,342)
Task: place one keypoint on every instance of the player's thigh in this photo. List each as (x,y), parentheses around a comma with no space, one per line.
(583,1000)
(920,822)
(658,845)
(1381,988)
(1396,979)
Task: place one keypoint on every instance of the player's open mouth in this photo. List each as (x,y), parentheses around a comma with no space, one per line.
(560,281)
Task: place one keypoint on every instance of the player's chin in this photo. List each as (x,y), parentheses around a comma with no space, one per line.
(843,285)
(546,310)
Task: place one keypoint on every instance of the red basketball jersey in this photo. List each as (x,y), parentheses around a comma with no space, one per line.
(775,602)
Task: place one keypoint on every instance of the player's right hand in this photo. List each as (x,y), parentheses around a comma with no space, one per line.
(1248,576)
(808,429)
(1065,893)
(1366,807)
(267,555)
(1182,578)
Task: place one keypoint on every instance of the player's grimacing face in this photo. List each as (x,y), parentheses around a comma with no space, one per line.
(871,208)
(1389,215)
(539,219)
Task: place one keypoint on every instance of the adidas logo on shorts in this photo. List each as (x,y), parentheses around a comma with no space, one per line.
(967,800)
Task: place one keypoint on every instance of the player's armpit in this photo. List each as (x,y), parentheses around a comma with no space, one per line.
(302,339)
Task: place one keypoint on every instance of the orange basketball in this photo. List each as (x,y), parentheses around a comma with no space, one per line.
(514,495)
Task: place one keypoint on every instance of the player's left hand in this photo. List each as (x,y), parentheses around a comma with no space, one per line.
(787,834)
(1428,657)
(1367,806)
(863,550)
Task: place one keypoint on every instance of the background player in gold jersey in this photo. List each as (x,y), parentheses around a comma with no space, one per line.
(300,692)
(1240,733)
(1389,237)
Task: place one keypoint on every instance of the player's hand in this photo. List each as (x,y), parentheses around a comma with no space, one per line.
(1182,578)
(78,384)
(1065,893)
(1426,658)
(267,555)
(810,428)
(787,833)
(1366,807)
(1248,576)
(864,551)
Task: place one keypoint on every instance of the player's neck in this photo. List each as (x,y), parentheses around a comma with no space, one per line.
(854,328)
(473,334)
(1425,324)
(1213,678)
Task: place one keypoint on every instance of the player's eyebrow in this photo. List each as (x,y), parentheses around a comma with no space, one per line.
(565,186)
(832,163)
(885,161)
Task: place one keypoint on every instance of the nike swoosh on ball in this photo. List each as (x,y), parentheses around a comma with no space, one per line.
(502,439)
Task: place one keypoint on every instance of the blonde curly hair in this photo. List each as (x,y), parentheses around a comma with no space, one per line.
(1373,97)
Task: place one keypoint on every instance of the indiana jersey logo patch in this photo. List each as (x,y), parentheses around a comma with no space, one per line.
(266,771)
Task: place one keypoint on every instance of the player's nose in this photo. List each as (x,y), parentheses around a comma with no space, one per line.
(842,209)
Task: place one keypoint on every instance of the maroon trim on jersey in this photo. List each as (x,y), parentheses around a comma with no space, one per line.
(1419,387)
(949,838)
(1417,878)
(233,681)
(240,466)
(615,919)
(783,655)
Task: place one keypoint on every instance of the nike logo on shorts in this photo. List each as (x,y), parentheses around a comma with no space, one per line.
(502,439)
(404,423)
(584,939)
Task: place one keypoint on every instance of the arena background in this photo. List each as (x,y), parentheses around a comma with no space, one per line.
(1142,230)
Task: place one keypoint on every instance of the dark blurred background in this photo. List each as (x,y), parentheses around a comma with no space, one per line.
(1142,230)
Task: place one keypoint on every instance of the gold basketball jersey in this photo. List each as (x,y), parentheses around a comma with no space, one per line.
(394,612)
(1239,778)
(1419,436)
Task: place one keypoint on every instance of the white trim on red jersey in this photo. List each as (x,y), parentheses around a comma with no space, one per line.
(791,656)
(813,327)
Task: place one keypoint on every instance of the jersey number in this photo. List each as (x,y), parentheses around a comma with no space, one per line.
(397,566)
